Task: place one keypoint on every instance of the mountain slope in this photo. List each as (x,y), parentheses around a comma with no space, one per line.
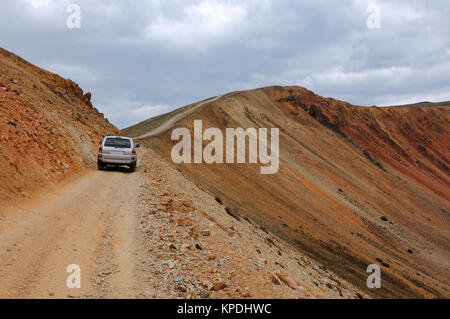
(356,185)
(48,127)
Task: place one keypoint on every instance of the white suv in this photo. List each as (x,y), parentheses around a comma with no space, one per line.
(116,151)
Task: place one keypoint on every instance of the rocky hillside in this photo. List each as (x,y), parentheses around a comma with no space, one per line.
(356,185)
(49,128)
(192,248)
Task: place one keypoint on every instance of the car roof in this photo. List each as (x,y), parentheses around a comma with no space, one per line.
(114,136)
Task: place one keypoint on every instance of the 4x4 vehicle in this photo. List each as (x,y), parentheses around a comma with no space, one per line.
(117,151)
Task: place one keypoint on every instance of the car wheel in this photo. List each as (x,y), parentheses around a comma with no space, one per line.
(100,166)
(133,167)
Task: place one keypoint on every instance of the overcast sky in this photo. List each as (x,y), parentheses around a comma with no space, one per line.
(143,58)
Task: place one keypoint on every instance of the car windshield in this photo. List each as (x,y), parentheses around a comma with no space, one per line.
(118,142)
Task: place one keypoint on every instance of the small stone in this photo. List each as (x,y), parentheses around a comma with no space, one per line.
(204,294)
(208,285)
(181,288)
(274,280)
(193,233)
(219,286)
(185,221)
(206,233)
(285,280)
(199,246)
(104,274)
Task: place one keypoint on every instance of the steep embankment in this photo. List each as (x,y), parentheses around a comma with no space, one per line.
(48,127)
(356,185)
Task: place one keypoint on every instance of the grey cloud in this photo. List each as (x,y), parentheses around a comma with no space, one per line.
(143,58)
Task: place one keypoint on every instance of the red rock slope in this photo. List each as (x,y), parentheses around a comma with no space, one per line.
(48,128)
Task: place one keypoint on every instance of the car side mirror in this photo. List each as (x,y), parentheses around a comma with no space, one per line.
(137,146)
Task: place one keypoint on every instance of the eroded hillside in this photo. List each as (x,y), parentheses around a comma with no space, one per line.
(49,128)
(356,185)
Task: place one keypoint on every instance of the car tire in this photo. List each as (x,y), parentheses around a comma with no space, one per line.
(100,166)
(133,167)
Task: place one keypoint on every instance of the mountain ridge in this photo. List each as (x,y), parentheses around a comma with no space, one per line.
(356,184)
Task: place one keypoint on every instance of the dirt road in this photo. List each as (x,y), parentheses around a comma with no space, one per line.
(90,222)
(148,234)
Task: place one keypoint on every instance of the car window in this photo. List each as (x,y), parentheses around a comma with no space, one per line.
(118,143)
